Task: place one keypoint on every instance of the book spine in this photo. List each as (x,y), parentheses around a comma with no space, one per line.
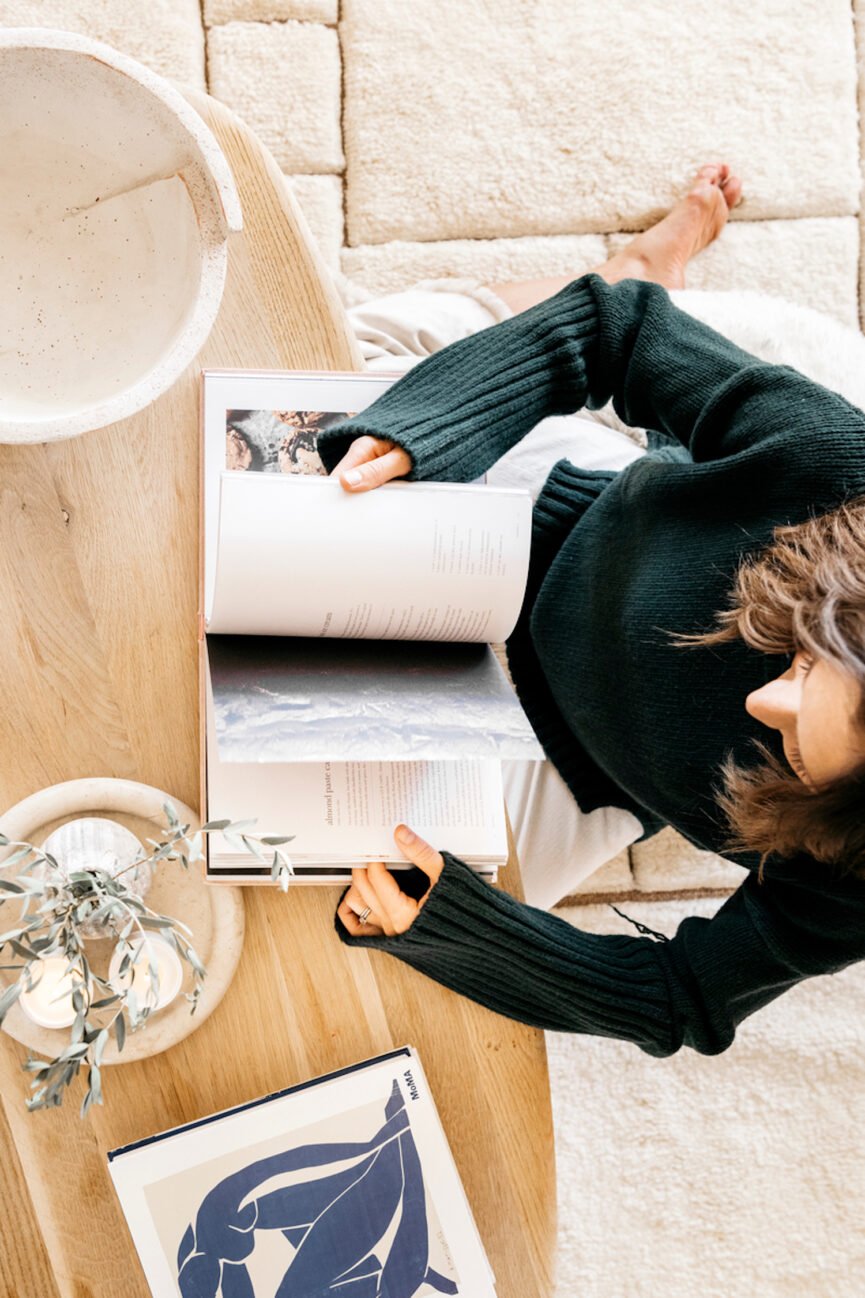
(401,1052)
(203,813)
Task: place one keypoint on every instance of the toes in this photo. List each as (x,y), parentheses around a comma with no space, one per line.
(733,191)
(703,194)
(716,173)
(711,172)
(709,205)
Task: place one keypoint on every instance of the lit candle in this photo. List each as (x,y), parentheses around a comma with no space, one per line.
(49,1002)
(156,950)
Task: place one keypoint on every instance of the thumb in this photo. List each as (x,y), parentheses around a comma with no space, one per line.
(419,852)
(373,473)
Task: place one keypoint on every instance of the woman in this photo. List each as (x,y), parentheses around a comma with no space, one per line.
(660,599)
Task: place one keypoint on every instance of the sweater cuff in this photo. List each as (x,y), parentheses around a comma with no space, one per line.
(448,882)
(462,409)
(567,493)
(529,965)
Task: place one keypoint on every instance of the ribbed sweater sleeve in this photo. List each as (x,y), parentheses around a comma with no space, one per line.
(692,990)
(461,409)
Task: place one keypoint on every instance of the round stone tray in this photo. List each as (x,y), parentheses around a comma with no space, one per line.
(213,913)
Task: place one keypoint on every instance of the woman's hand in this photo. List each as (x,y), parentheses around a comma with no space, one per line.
(390,909)
(369,462)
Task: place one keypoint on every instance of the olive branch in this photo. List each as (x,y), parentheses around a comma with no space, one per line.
(53,908)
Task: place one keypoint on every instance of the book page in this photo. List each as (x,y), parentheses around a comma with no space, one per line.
(409,561)
(268,421)
(294,699)
(349,810)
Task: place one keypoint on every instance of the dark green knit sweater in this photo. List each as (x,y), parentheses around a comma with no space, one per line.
(618,562)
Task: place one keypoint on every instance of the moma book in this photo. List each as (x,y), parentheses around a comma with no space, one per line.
(347,670)
(344,1185)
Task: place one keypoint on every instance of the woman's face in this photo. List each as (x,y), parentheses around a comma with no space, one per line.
(814,705)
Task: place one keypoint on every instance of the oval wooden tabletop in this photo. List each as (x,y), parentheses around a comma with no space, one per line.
(98,676)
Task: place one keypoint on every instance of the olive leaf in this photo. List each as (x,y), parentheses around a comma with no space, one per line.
(52,907)
(8,999)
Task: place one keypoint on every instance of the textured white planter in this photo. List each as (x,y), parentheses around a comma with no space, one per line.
(116,207)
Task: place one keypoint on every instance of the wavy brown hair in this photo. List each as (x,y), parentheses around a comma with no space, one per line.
(804,592)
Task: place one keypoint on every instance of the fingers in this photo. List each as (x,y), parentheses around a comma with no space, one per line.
(391,911)
(397,911)
(347,911)
(369,897)
(369,462)
(393,464)
(419,852)
(360,451)
(352,924)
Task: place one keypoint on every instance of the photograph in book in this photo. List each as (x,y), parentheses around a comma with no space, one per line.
(311,700)
(264,425)
(277,441)
(342,1185)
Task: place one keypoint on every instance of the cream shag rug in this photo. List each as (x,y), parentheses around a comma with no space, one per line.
(738,1176)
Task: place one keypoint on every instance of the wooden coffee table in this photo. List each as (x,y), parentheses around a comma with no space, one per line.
(98,676)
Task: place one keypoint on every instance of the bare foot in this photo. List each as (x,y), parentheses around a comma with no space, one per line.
(662,252)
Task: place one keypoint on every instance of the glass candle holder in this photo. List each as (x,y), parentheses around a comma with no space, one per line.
(95,843)
(169,972)
(49,1001)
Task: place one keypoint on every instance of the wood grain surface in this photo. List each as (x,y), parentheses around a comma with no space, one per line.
(98,676)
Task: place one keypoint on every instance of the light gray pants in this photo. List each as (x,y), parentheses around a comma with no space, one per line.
(558,845)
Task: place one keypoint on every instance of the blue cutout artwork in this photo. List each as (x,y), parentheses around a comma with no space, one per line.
(335,1222)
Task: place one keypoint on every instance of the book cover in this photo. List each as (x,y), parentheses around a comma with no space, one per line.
(344,1185)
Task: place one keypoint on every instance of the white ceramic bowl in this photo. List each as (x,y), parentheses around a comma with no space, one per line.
(117,204)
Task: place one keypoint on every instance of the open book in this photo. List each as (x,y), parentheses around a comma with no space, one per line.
(348,680)
(342,1185)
